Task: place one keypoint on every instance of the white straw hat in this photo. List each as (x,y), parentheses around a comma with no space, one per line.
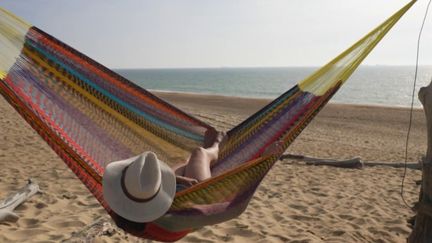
(140,189)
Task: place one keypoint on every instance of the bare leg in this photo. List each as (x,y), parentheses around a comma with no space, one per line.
(179,169)
(198,166)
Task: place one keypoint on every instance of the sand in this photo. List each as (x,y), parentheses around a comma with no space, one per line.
(295,202)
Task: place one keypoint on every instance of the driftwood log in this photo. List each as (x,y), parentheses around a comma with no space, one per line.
(354,163)
(422,231)
(14,200)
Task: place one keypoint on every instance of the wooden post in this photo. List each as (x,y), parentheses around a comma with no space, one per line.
(422,231)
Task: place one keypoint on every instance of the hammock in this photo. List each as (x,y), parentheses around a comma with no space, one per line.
(90,116)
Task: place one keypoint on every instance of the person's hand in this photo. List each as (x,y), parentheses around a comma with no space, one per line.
(187,181)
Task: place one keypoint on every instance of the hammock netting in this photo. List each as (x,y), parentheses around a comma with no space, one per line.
(91,116)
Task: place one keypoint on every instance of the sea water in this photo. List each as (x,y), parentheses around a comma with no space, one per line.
(372,85)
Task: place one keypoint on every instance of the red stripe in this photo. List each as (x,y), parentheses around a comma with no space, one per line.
(150,230)
(68,156)
(315,108)
(57,129)
(283,130)
(43,39)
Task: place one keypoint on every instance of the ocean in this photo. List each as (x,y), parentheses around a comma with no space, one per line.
(371,85)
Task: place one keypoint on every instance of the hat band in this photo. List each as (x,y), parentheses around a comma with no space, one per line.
(131,197)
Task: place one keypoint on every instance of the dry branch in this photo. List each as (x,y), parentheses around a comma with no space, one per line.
(354,163)
(14,200)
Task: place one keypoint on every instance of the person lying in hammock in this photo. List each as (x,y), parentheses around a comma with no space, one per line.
(197,167)
(142,188)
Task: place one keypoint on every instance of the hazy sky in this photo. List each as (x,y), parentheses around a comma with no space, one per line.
(226,33)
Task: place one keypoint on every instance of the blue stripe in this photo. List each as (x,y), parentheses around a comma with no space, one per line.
(119,101)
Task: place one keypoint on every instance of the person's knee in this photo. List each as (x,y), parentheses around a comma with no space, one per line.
(199,151)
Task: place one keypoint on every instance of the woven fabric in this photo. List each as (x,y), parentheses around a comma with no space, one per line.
(91,116)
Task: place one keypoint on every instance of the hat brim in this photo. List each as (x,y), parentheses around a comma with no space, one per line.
(140,212)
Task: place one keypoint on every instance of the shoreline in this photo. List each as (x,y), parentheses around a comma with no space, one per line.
(204,95)
(175,95)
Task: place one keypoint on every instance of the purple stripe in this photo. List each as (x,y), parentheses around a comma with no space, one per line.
(105,148)
(120,93)
(206,214)
(238,156)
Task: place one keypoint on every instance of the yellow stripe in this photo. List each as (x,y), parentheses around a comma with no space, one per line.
(327,77)
(222,187)
(2,74)
(245,133)
(318,83)
(156,141)
(129,138)
(16,18)
(12,34)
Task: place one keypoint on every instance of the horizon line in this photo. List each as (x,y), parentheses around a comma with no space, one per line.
(246,67)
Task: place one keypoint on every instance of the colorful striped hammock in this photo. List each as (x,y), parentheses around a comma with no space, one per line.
(90,116)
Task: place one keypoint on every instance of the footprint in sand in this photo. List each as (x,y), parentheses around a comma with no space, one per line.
(28,223)
(60,224)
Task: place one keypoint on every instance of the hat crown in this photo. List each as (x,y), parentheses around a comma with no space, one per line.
(142,178)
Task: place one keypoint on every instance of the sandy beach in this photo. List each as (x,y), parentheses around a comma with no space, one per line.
(295,202)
